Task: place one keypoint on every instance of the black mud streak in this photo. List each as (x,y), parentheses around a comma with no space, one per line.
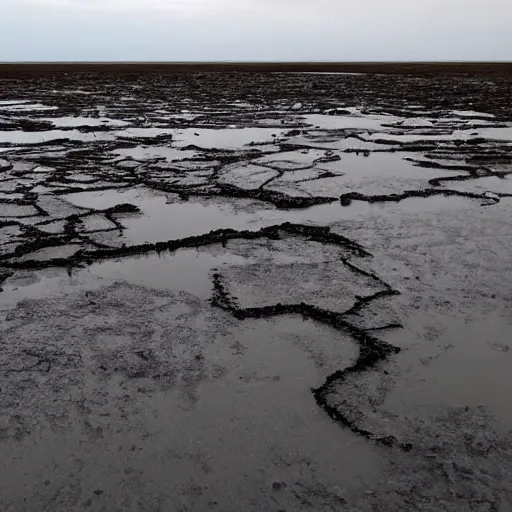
(390,326)
(4,275)
(220,236)
(279,200)
(326,174)
(276,198)
(474,175)
(5,223)
(40,240)
(29,247)
(430,164)
(324,235)
(436,182)
(364,301)
(346,199)
(373,275)
(73,190)
(372,353)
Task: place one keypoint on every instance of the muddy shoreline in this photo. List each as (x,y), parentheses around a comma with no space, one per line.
(218,288)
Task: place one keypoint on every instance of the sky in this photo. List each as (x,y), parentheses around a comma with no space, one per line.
(255,30)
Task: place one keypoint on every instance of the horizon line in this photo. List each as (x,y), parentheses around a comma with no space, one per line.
(320,62)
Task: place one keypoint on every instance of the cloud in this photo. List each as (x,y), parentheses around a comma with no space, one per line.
(255,29)
(105,5)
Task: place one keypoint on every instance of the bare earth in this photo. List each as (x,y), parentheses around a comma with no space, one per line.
(255,287)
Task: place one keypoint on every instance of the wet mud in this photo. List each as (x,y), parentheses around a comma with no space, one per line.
(371,350)
(218,288)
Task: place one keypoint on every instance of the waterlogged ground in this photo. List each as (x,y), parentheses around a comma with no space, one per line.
(278,292)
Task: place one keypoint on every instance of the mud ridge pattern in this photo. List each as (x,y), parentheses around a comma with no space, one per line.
(85,156)
(371,350)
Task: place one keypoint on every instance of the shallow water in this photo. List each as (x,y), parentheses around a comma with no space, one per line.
(150,152)
(471,113)
(482,185)
(328,122)
(27,138)
(185,270)
(504,134)
(24,106)
(70,121)
(230,138)
(162,219)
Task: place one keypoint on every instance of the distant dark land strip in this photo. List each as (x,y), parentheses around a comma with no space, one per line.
(10,70)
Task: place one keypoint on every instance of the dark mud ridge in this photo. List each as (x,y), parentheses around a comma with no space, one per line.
(346,199)
(216,137)
(372,351)
(220,236)
(100,164)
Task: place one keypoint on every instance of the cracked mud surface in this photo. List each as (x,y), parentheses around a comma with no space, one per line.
(255,292)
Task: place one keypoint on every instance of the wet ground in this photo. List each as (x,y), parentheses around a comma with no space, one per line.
(278,292)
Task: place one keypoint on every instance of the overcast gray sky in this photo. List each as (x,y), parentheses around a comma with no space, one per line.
(304,30)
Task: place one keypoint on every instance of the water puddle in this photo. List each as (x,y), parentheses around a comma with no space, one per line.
(161,220)
(502,134)
(227,138)
(62,251)
(482,185)
(142,153)
(291,160)
(24,106)
(143,133)
(428,205)
(75,122)
(471,113)
(401,137)
(185,270)
(28,138)
(366,122)
(374,174)
(380,166)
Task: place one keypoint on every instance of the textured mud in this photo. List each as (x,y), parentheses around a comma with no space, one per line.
(255,292)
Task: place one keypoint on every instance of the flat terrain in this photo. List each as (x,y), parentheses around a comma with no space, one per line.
(135,68)
(255,291)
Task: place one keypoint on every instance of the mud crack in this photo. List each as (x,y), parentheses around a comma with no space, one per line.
(372,351)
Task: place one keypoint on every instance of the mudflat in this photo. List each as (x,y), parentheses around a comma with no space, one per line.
(247,286)
(477,68)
